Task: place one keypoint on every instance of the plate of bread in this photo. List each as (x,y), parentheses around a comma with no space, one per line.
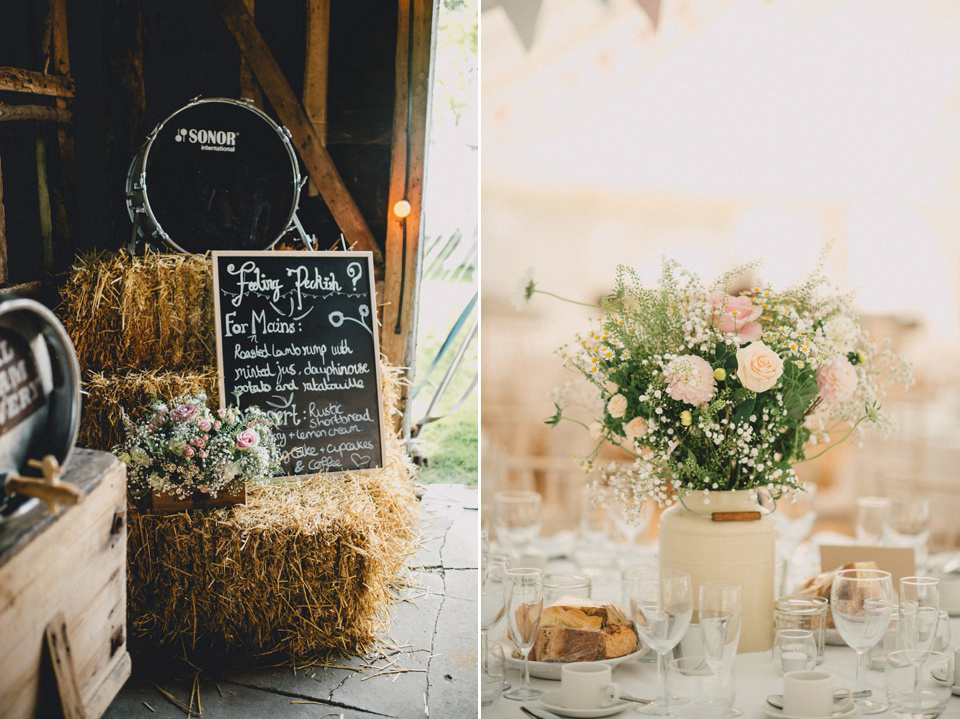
(580,630)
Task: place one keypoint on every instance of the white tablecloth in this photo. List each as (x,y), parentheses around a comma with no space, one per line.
(756,679)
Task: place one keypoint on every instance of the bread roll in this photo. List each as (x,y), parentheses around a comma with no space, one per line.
(579,630)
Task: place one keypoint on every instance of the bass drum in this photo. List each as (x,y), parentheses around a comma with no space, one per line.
(218,174)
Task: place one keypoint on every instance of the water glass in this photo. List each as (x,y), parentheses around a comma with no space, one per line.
(919,615)
(493,678)
(922,691)
(707,687)
(569,584)
(872,513)
(516,519)
(808,613)
(493,574)
(877,655)
(720,620)
(942,643)
(794,650)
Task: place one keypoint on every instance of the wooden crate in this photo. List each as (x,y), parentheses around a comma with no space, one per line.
(74,563)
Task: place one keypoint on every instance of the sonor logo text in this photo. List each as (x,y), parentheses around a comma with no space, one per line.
(210,139)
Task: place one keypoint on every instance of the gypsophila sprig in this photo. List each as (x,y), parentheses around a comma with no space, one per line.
(711,390)
(181,447)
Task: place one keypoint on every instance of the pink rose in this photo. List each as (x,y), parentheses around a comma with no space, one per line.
(247,439)
(204,425)
(690,379)
(217,424)
(617,406)
(837,379)
(221,413)
(635,429)
(188,452)
(736,315)
(203,454)
(758,367)
(199,442)
(185,412)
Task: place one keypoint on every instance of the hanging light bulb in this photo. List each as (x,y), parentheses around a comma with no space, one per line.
(401,209)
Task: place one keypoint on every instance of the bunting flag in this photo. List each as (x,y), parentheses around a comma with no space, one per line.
(523,16)
(652,9)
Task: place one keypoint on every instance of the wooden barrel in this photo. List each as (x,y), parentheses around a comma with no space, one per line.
(39,392)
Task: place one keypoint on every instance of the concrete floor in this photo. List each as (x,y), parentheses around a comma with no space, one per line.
(428,667)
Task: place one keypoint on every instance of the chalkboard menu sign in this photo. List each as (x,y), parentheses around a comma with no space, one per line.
(297,334)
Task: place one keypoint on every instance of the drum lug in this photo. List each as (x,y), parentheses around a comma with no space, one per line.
(286,133)
(246,100)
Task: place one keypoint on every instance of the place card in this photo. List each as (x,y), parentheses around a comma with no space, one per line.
(899,561)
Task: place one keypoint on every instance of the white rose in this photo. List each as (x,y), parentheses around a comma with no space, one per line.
(596,430)
(635,428)
(758,367)
(617,406)
(611,387)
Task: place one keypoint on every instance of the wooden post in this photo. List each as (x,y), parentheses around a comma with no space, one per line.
(317,65)
(4,263)
(316,71)
(248,83)
(43,194)
(62,189)
(291,113)
(410,119)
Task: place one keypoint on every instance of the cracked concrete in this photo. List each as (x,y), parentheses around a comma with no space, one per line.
(427,668)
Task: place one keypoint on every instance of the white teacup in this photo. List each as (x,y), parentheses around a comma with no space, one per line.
(588,685)
(811,694)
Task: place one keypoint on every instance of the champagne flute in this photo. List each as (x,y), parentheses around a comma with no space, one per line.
(862,602)
(872,513)
(908,525)
(721,615)
(493,575)
(919,617)
(517,519)
(661,604)
(524,607)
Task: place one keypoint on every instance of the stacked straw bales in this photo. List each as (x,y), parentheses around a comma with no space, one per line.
(304,568)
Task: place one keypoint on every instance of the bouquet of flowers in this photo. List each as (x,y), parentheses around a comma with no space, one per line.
(712,391)
(181,447)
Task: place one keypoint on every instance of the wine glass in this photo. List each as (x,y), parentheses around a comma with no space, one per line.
(794,519)
(908,525)
(630,516)
(919,617)
(493,574)
(872,513)
(524,606)
(661,604)
(517,519)
(862,602)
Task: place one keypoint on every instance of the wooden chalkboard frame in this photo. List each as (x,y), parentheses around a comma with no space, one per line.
(361,256)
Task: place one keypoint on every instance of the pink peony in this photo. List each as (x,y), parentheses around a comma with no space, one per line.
(204,425)
(247,439)
(690,379)
(185,412)
(736,315)
(188,452)
(837,379)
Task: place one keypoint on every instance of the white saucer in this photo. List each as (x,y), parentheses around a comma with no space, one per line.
(775,713)
(551,701)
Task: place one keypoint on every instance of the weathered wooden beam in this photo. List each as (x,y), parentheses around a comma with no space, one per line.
(317,64)
(248,83)
(410,119)
(63,187)
(40,113)
(291,113)
(43,194)
(4,263)
(13,79)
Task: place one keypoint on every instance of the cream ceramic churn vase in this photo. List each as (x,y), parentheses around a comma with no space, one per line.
(739,551)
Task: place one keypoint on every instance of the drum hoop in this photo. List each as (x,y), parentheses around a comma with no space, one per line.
(247,105)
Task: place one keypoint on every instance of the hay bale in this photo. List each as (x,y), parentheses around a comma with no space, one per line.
(140,312)
(106,396)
